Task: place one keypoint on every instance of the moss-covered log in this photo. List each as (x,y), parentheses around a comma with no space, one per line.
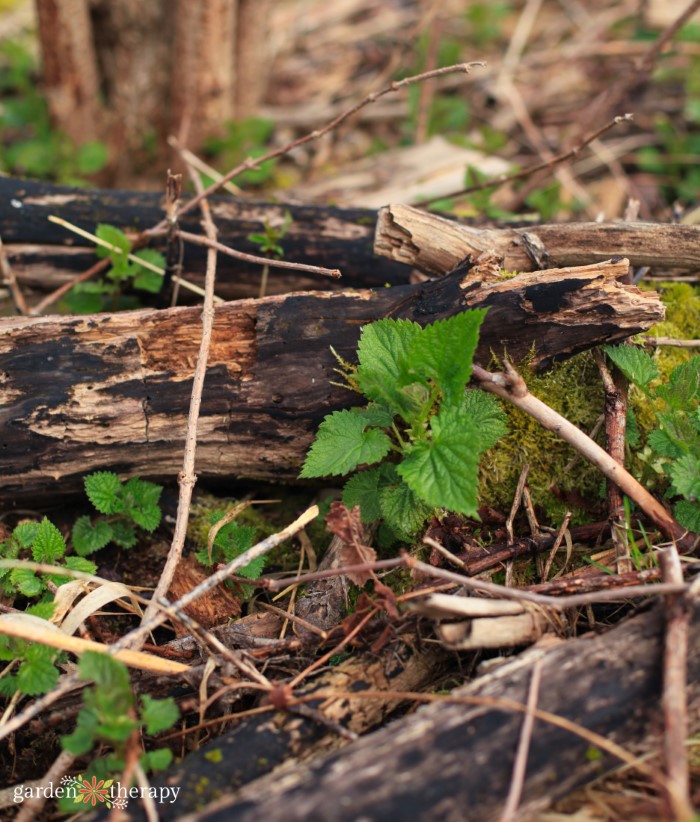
(111,391)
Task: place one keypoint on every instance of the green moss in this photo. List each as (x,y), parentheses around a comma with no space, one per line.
(573,388)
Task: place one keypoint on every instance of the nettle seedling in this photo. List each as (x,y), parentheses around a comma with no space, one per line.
(421,429)
(268,242)
(676,441)
(91,297)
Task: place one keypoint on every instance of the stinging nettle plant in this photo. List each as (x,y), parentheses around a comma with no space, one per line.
(422,430)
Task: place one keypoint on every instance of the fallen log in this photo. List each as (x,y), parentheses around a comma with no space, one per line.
(434,244)
(111,391)
(45,255)
(455,761)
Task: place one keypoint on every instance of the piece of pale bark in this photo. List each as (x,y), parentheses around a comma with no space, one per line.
(434,244)
(455,761)
(112,391)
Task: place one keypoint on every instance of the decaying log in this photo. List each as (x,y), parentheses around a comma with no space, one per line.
(111,391)
(455,761)
(45,255)
(437,245)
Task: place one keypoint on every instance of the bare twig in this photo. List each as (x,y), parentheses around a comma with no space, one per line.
(187,477)
(8,276)
(252,258)
(654,341)
(56,295)
(502,179)
(675,692)
(511,386)
(615,386)
(519,766)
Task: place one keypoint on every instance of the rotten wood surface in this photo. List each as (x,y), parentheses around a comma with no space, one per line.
(45,255)
(455,761)
(111,391)
(436,245)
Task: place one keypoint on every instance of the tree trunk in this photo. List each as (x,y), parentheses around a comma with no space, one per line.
(111,391)
(117,70)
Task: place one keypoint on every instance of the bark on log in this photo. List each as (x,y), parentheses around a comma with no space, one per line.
(111,391)
(437,245)
(44,255)
(455,761)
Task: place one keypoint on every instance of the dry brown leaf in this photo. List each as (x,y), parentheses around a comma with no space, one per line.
(347,525)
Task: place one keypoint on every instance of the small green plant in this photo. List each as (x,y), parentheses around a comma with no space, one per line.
(269,243)
(421,429)
(126,505)
(30,144)
(107,294)
(230,542)
(676,440)
(110,715)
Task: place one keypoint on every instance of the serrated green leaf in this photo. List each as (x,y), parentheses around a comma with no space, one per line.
(146,515)
(49,544)
(443,352)
(8,686)
(104,670)
(116,728)
(688,514)
(382,355)
(485,414)
(664,444)
(145,278)
(26,582)
(88,538)
(158,714)
(157,760)
(25,533)
(112,235)
(402,510)
(43,609)
(632,429)
(83,737)
(253,569)
(81,564)
(638,366)
(104,490)
(375,415)
(363,490)
(683,387)
(343,443)
(37,674)
(685,474)
(443,471)
(124,534)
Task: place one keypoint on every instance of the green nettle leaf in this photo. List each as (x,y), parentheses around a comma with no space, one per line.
(382,353)
(683,385)
(688,514)
(363,490)
(485,413)
(112,235)
(158,714)
(444,350)
(444,470)
(88,538)
(685,473)
(402,510)
(157,760)
(81,564)
(124,534)
(106,671)
(43,609)
(638,366)
(376,415)
(664,444)
(104,490)
(37,674)
(82,738)
(632,429)
(253,569)
(145,278)
(26,582)
(25,533)
(343,443)
(48,545)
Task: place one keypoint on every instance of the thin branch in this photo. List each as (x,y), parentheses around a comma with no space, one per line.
(251,162)
(8,276)
(654,341)
(501,179)
(675,691)
(56,295)
(187,478)
(520,765)
(196,239)
(511,386)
